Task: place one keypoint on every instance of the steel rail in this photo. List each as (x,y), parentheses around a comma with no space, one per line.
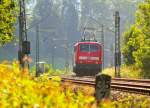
(79,82)
(127,85)
(125,80)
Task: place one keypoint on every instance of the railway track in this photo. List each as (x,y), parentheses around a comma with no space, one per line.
(138,86)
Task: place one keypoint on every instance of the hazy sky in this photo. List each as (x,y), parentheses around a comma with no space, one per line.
(78,0)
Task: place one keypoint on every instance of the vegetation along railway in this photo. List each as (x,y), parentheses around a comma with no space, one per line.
(137,86)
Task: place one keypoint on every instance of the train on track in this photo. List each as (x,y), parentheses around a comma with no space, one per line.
(87,57)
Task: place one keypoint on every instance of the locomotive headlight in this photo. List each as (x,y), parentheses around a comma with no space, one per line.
(94,58)
(83,57)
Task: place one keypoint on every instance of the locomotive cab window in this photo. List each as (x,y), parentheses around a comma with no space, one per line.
(84,48)
(93,48)
(88,48)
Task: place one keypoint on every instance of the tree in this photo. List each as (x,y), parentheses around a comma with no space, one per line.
(130,45)
(59,15)
(7,20)
(96,12)
(70,21)
(139,39)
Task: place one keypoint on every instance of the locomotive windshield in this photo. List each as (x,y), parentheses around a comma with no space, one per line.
(88,48)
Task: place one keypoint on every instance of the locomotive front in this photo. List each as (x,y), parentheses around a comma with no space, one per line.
(87,58)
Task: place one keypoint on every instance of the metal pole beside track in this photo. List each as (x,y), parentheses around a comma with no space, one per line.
(103,45)
(117,45)
(37,50)
(24,45)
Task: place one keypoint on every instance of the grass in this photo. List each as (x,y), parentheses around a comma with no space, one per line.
(125,71)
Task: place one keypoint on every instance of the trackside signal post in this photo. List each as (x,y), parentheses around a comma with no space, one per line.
(24,45)
(117,45)
(102,87)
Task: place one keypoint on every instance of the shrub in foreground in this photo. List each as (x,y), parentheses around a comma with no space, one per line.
(19,90)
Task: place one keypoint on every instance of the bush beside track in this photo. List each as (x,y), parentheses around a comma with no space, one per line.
(126,72)
(19,89)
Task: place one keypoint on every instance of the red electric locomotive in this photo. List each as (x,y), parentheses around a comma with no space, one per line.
(87,58)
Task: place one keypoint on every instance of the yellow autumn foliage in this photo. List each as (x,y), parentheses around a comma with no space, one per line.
(19,90)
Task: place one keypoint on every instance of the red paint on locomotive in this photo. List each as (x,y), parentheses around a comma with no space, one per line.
(87,56)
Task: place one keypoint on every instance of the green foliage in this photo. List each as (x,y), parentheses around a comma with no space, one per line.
(7,19)
(48,70)
(136,48)
(130,44)
(126,72)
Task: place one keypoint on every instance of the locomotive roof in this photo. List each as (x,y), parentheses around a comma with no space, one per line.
(87,43)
